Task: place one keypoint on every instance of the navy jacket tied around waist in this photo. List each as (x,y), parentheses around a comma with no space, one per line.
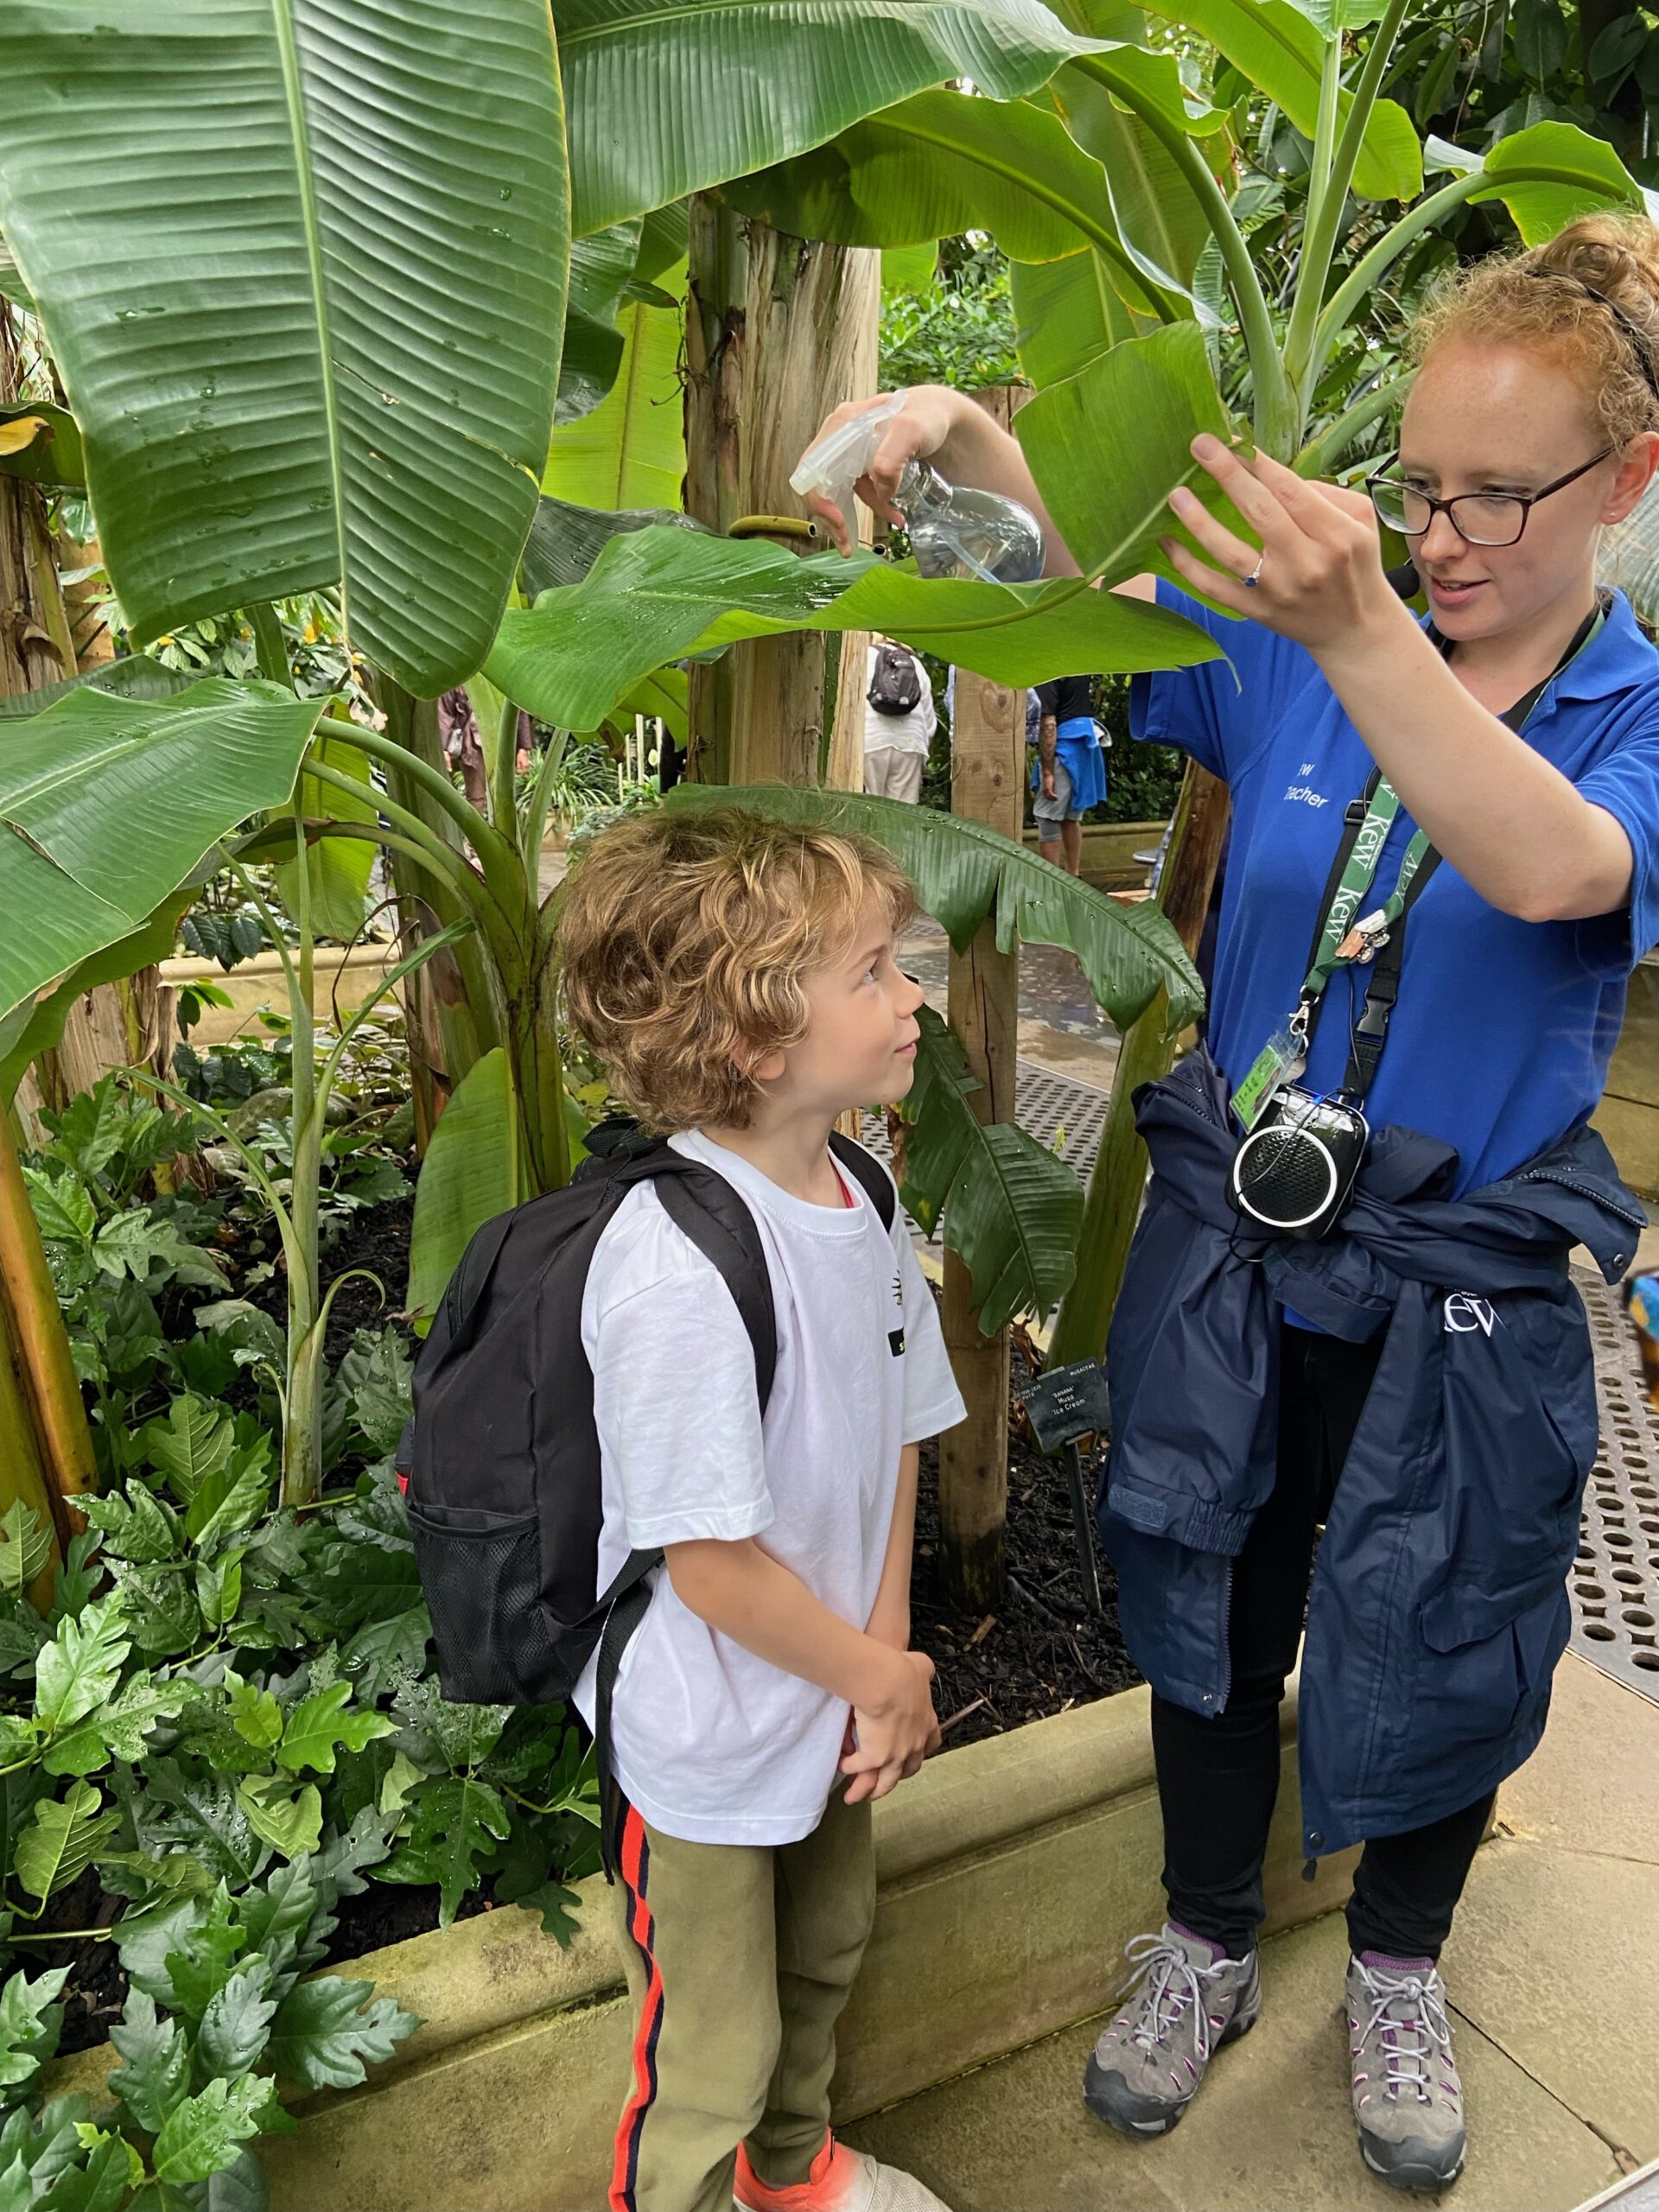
(1439,1607)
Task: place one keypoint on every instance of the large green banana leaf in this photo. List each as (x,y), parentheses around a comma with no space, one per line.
(565,541)
(1548,176)
(655,595)
(132,676)
(1066,315)
(107,804)
(965,874)
(36,1026)
(1278,49)
(303,270)
(1158,214)
(666,99)
(945,162)
(601,270)
(337,869)
(1012,1210)
(473,1170)
(1109,492)
(629,450)
(937,165)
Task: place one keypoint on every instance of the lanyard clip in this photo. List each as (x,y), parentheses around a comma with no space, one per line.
(1366,938)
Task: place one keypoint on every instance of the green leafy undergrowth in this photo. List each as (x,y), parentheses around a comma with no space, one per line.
(225,1726)
(226,1730)
(155,1238)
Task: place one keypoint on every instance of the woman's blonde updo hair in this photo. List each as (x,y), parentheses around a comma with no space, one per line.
(1501,299)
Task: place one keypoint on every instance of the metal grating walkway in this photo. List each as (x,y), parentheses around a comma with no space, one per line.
(1056,1109)
(1615,1586)
(1615,1581)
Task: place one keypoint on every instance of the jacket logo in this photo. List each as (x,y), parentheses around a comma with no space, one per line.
(1464,1314)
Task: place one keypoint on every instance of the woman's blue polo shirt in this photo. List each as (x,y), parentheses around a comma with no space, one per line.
(1500,1041)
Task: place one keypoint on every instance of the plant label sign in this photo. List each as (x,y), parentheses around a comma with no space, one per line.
(1065,1404)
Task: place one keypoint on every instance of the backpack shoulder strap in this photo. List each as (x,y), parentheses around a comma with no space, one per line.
(864,1165)
(706,1209)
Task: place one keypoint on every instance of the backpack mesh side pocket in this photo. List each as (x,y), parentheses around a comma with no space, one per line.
(481,1572)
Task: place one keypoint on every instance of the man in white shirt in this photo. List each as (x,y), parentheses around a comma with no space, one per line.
(896,735)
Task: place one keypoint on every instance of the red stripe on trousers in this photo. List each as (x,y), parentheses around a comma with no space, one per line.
(635,1859)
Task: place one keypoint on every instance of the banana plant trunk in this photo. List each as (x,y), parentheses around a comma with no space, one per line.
(445,1001)
(1120,1169)
(987,768)
(46,1447)
(779,331)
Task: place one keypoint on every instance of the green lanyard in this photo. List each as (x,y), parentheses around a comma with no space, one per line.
(1341,942)
(1334,949)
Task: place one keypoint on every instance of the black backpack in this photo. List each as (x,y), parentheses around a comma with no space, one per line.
(896,685)
(500,1464)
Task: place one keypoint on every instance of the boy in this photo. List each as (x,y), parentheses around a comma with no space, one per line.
(736,977)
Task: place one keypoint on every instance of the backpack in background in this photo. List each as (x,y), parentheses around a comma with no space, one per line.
(896,684)
(500,1464)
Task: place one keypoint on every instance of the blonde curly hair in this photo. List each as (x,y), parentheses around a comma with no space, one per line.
(1502,299)
(686,936)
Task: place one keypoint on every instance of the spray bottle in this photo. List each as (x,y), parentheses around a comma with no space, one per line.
(955,530)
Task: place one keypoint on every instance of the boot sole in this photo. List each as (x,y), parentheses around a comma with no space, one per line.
(1413,2174)
(1140,2117)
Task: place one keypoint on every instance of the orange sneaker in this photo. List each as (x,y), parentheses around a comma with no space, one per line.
(842,2180)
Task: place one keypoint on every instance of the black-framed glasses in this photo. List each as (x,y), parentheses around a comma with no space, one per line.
(1478,517)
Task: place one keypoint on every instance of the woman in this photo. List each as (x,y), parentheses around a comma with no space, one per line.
(1428,1351)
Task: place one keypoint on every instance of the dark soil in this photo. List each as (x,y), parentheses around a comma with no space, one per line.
(1041,1650)
(376,1238)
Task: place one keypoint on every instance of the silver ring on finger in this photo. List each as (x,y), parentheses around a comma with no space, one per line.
(1254,576)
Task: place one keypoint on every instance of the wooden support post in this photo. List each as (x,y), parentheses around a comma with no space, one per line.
(779,331)
(988,778)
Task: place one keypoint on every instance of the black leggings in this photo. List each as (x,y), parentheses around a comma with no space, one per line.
(1217,1778)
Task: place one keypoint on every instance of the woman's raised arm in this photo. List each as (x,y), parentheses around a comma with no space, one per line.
(965,444)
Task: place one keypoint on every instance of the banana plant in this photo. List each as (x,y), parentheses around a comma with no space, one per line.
(355,382)
(297,1212)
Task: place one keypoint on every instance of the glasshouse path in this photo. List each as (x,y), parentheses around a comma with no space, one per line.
(1555,2001)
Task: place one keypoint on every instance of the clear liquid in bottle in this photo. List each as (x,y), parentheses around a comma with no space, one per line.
(957,530)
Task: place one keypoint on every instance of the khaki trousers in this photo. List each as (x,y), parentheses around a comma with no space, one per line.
(889,773)
(739,1958)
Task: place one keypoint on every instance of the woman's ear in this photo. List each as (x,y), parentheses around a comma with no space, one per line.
(1635,473)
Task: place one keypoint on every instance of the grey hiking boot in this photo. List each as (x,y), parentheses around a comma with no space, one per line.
(1185,2000)
(1408,2100)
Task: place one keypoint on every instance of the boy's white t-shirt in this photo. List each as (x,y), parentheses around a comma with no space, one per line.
(710,1743)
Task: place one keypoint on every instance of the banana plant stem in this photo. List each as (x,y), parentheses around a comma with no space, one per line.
(1369,271)
(1327,193)
(39,1341)
(1275,423)
(1306,344)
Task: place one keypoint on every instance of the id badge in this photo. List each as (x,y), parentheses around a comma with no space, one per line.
(1281,1060)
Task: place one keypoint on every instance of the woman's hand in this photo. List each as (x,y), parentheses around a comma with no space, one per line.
(1319,579)
(916,432)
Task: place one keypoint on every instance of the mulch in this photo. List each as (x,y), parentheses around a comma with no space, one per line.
(1041,1650)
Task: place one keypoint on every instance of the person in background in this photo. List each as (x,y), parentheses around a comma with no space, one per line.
(898,722)
(1069,774)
